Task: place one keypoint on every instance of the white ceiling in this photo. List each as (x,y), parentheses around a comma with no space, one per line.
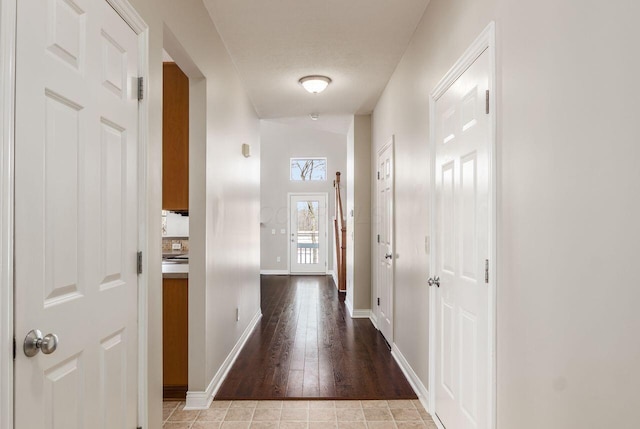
(357,43)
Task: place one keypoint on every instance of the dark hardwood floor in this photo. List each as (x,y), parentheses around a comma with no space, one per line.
(306,346)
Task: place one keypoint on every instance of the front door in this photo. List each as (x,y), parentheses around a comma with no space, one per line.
(76,233)
(308,234)
(462,167)
(385,253)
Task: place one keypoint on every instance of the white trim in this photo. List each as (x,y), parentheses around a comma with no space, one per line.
(374,319)
(7,115)
(361,314)
(486,41)
(274,272)
(326,238)
(332,273)
(349,305)
(412,377)
(201,400)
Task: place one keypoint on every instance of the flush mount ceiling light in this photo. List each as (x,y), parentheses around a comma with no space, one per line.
(314,116)
(315,84)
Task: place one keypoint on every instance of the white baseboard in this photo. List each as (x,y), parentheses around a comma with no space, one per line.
(361,314)
(333,275)
(201,400)
(412,377)
(274,272)
(374,319)
(349,305)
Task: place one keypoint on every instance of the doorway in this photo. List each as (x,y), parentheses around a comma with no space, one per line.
(308,233)
(462,295)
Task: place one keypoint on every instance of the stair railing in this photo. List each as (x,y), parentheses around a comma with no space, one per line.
(340,230)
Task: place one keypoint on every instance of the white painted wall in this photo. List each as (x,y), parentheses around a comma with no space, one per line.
(281,142)
(568,207)
(231,194)
(358,214)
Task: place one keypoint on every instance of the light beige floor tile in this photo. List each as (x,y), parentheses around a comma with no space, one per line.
(322,404)
(170,404)
(206,425)
(424,414)
(266,415)
(401,403)
(176,425)
(352,425)
(349,415)
(323,425)
(243,404)
(374,404)
(166,412)
(377,414)
(348,404)
(400,414)
(322,415)
(431,424)
(235,425)
(293,425)
(269,404)
(239,415)
(212,415)
(294,414)
(411,425)
(220,404)
(381,425)
(264,425)
(184,415)
(417,404)
(295,404)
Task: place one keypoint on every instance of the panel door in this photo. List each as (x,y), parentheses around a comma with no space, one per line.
(76,215)
(385,250)
(308,234)
(462,247)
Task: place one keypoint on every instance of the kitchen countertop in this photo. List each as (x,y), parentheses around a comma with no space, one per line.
(175,271)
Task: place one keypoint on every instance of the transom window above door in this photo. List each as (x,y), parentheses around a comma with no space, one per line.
(308,169)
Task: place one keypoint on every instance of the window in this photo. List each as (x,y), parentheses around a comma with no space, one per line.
(306,169)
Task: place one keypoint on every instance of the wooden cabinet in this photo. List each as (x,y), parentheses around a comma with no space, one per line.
(175,139)
(175,337)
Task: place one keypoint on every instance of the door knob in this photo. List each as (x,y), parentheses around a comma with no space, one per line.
(34,342)
(388,256)
(434,281)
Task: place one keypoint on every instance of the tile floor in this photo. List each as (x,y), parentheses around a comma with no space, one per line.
(396,414)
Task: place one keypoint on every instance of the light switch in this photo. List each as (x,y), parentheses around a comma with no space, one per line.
(273,231)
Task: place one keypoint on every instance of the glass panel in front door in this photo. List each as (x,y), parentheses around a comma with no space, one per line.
(307,233)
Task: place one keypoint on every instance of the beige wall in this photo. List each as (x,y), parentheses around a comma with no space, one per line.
(358,214)
(231,196)
(281,142)
(568,207)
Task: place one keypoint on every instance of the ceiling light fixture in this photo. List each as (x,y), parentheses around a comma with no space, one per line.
(315,84)
(314,116)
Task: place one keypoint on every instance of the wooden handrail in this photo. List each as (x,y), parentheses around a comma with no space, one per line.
(340,230)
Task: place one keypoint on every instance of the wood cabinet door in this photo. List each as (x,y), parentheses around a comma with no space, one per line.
(175,138)
(175,337)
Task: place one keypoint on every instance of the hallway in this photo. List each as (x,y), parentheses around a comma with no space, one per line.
(307,347)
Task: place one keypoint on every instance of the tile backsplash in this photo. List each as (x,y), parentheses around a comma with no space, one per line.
(167,244)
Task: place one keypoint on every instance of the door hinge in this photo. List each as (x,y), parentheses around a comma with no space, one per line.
(139,263)
(378,301)
(14,348)
(487,102)
(378,238)
(378,175)
(486,271)
(140,88)
(139,427)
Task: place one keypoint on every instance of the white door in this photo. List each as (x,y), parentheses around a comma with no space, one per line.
(76,215)
(308,234)
(385,251)
(462,167)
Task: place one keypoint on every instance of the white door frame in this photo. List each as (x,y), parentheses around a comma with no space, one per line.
(7,141)
(326,228)
(390,144)
(486,41)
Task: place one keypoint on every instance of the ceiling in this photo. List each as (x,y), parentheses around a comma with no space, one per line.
(357,43)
